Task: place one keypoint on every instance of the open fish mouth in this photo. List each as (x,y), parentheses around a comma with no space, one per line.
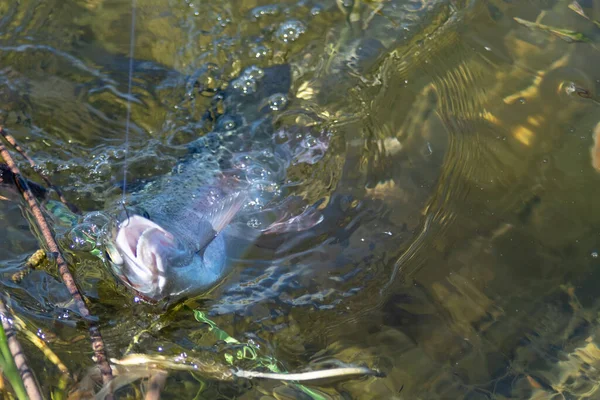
(139,255)
(158,263)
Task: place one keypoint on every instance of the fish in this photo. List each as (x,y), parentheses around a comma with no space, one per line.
(178,247)
(198,220)
(181,233)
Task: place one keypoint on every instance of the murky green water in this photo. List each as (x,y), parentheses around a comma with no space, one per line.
(459,248)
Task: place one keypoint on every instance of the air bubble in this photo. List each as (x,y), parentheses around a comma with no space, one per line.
(247,82)
(117,154)
(263,11)
(253,72)
(97,219)
(277,102)
(242,161)
(83,237)
(310,142)
(256,173)
(227,124)
(270,187)
(253,223)
(259,52)
(101,169)
(347,5)
(244,85)
(290,31)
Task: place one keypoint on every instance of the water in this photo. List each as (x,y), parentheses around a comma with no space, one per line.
(458,250)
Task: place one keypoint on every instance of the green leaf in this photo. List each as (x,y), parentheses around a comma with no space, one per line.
(221,334)
(250,352)
(9,368)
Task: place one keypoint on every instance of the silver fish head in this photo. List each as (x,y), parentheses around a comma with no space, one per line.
(141,253)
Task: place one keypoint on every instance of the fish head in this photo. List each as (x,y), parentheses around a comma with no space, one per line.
(181,255)
(141,252)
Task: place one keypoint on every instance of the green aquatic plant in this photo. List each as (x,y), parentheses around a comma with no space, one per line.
(565,34)
(250,351)
(9,369)
(575,6)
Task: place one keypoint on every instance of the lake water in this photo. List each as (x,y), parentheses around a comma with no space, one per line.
(459,250)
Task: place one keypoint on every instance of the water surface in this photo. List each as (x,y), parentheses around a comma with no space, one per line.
(459,249)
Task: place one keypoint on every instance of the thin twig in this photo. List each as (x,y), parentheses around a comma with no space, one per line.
(8,178)
(10,139)
(97,342)
(18,355)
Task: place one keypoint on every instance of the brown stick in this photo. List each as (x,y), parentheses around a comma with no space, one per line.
(13,142)
(155,385)
(31,386)
(67,278)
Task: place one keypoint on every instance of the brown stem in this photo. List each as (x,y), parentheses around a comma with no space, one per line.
(31,386)
(10,139)
(8,178)
(155,385)
(97,342)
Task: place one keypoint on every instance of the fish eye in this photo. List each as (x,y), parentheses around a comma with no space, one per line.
(145,214)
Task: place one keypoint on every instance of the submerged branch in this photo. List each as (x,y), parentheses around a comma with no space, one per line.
(155,385)
(10,139)
(97,342)
(346,372)
(20,362)
(151,364)
(8,178)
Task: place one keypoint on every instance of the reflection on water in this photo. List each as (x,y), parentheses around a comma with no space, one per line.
(459,249)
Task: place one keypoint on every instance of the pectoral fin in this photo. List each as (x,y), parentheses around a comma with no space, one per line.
(203,222)
(299,223)
(225,210)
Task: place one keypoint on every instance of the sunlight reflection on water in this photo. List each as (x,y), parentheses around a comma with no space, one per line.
(456,249)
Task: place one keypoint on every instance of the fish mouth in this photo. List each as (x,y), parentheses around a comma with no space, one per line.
(140,260)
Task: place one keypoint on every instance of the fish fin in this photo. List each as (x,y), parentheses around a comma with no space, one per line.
(225,210)
(213,210)
(301,222)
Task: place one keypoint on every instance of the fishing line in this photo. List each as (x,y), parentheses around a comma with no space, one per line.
(128,118)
